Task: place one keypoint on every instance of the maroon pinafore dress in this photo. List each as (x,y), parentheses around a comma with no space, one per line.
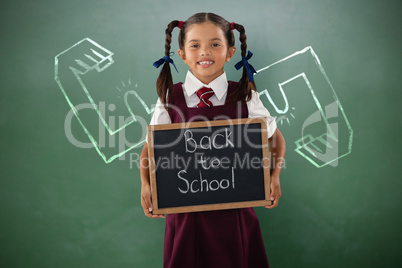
(212,239)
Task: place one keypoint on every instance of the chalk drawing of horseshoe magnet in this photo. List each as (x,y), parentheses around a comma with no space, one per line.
(305,101)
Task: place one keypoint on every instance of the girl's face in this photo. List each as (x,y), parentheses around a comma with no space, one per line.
(206,51)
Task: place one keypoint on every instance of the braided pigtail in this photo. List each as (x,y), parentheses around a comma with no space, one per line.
(164,83)
(246,84)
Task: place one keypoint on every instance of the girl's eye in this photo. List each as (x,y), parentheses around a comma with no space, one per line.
(195,45)
(215,45)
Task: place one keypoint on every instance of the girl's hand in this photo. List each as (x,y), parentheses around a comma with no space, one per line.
(147,204)
(275,191)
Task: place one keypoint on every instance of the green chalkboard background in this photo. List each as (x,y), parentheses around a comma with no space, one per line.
(63,206)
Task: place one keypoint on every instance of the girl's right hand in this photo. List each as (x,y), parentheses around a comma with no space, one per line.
(147,203)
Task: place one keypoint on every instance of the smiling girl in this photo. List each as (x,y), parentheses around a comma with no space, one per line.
(225,238)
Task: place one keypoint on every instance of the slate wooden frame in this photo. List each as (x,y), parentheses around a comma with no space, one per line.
(207,124)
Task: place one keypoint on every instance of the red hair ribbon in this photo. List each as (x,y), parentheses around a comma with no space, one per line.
(180,24)
(232,26)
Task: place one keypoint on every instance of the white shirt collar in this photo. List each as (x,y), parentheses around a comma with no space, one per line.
(219,85)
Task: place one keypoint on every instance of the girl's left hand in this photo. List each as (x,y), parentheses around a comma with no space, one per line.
(275,191)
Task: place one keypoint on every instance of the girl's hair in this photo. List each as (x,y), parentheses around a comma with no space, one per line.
(164,84)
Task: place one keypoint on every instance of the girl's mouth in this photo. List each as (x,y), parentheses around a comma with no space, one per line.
(206,62)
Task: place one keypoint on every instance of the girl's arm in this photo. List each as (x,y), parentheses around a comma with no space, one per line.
(145,184)
(277,147)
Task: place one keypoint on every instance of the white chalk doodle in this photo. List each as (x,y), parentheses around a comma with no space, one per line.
(80,59)
(319,149)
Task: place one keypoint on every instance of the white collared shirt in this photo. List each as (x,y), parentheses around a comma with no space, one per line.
(219,86)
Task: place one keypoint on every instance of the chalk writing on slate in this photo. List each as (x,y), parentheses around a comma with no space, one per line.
(209,165)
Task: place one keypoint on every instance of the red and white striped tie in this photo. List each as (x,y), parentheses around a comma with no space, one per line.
(204,94)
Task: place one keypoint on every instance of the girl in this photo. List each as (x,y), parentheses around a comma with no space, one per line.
(225,238)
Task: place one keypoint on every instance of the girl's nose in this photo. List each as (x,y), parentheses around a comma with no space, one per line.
(205,52)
